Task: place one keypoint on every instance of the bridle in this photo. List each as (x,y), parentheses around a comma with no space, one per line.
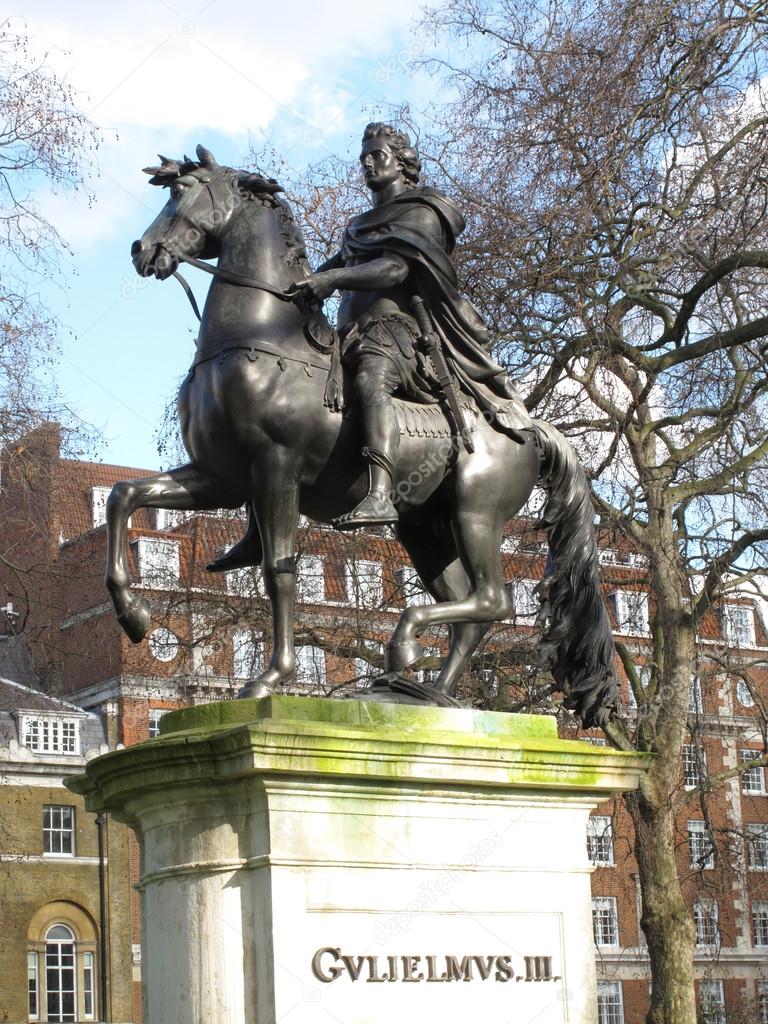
(225,275)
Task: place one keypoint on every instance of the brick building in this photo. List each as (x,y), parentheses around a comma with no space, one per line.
(209,634)
(65,950)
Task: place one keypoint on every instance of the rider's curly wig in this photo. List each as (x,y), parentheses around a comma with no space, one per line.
(400,144)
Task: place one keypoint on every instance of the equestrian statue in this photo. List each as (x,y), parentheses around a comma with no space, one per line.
(400,417)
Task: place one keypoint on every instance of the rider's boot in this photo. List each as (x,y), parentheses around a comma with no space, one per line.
(377,507)
(248,550)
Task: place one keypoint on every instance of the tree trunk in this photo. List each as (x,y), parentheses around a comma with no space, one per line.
(666,921)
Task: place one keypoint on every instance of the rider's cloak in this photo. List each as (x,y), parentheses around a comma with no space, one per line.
(388,229)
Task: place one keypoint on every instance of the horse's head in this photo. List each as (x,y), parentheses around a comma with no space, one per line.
(202,200)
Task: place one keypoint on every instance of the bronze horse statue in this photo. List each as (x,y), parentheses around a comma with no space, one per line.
(259,432)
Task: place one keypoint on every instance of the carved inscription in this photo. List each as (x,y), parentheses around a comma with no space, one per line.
(330,964)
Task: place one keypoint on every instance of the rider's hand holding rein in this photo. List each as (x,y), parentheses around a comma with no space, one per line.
(316,288)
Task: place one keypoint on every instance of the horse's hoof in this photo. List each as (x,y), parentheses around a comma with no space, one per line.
(254,689)
(399,656)
(135,620)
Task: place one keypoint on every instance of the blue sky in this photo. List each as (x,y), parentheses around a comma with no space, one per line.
(161,77)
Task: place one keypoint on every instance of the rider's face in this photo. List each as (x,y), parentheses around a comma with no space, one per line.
(380,165)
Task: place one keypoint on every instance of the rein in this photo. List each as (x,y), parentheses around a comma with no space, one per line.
(228,276)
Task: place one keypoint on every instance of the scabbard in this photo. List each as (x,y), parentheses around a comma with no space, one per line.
(434,349)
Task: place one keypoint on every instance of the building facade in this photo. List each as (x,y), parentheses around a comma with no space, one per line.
(209,634)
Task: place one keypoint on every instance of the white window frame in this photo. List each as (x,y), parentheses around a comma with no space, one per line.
(364,670)
(245,582)
(605,921)
(425,676)
(525,603)
(701,845)
(706,920)
(58,967)
(247,653)
(762,1001)
(59,820)
(364,583)
(753,779)
(712,999)
(600,840)
(695,704)
(157,562)
(610,1002)
(310,579)
(155,714)
(310,665)
(694,765)
(89,985)
(737,622)
(760,923)
(409,583)
(33,985)
(743,694)
(99,496)
(631,611)
(757,846)
(46,733)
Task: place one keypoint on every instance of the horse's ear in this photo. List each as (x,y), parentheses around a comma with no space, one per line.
(257,184)
(206,158)
(165,173)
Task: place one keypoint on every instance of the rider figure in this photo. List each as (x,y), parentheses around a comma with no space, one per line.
(391,253)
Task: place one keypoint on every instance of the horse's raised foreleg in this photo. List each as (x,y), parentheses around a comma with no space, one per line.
(185,488)
(441,571)
(276,507)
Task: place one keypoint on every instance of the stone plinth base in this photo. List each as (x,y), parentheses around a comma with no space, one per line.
(308,861)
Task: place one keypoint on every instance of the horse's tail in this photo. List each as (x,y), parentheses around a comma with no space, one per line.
(577,644)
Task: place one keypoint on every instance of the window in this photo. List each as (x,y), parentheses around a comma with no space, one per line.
(411,586)
(163,644)
(701,845)
(643,678)
(509,544)
(245,582)
(600,840)
(157,561)
(760,922)
(33,987)
(99,497)
(429,675)
(88,1000)
(155,714)
(310,579)
(363,583)
(631,611)
(705,918)
(610,1009)
(712,1002)
(364,669)
(695,707)
(744,694)
(50,734)
(757,845)
(59,830)
(60,974)
(738,625)
(525,602)
(605,922)
(762,1001)
(171,518)
(694,760)
(247,654)
(753,779)
(310,666)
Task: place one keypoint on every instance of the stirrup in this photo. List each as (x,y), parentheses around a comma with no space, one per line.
(376,509)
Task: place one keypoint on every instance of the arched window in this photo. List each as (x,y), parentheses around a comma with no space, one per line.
(61,965)
(60,993)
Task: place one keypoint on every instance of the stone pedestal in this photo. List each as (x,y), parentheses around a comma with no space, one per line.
(308,861)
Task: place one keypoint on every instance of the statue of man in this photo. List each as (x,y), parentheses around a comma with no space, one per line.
(397,250)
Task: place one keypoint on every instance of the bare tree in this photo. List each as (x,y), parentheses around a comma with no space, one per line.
(614,163)
(45,141)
